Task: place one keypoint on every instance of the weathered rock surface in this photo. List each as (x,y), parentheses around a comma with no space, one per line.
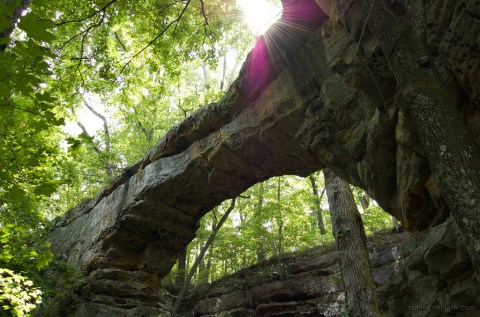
(428,274)
(325,101)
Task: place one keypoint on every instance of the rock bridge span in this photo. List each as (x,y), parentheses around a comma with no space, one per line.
(326,101)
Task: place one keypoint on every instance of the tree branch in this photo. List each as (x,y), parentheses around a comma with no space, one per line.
(22,109)
(85,33)
(156,37)
(147,133)
(89,16)
(13,153)
(108,144)
(203,13)
(120,41)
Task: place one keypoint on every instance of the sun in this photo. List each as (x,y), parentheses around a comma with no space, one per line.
(259,15)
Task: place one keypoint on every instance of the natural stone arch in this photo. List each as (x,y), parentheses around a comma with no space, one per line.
(323,103)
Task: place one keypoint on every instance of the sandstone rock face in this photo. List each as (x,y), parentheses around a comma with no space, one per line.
(428,274)
(326,101)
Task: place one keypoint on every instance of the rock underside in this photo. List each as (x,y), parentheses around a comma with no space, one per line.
(326,102)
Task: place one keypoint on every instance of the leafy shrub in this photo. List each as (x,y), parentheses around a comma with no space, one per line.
(18,296)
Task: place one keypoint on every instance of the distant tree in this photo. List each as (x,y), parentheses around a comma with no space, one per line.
(317,204)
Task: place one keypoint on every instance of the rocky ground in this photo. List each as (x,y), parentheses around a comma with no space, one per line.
(427,274)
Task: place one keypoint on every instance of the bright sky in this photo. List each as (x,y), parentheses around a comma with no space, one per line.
(260,14)
(91,122)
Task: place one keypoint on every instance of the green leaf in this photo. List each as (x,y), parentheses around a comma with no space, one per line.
(59,121)
(4,90)
(85,137)
(45,245)
(47,188)
(16,193)
(6,11)
(36,28)
(75,146)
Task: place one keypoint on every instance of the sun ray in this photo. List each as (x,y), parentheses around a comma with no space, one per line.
(259,15)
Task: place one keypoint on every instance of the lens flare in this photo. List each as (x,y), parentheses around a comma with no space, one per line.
(277,48)
(259,15)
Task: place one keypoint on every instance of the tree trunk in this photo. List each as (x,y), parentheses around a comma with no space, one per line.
(261,250)
(224,70)
(206,82)
(182,261)
(280,218)
(148,133)
(363,199)
(350,236)
(204,249)
(243,219)
(317,204)
(451,151)
(209,267)
(201,272)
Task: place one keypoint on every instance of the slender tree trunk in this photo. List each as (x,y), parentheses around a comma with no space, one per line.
(204,268)
(243,219)
(224,70)
(148,133)
(182,261)
(201,271)
(187,265)
(452,154)
(208,268)
(206,82)
(317,204)
(199,258)
(260,250)
(280,218)
(364,200)
(350,236)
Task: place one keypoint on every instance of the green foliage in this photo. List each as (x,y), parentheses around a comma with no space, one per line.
(61,284)
(252,233)
(15,252)
(18,296)
(376,219)
(36,28)
(137,60)
(29,137)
